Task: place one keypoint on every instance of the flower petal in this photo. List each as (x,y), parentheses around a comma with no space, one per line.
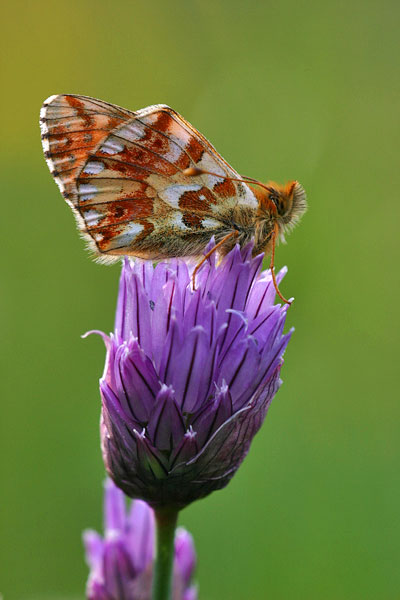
(144,271)
(114,509)
(166,426)
(239,368)
(263,293)
(186,450)
(137,381)
(94,548)
(133,311)
(140,534)
(213,415)
(191,370)
(118,570)
(185,555)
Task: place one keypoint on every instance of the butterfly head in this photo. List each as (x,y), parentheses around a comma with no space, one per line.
(284,203)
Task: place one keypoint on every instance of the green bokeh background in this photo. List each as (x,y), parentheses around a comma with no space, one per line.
(292,89)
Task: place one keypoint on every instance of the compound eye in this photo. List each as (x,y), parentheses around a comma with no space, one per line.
(277,200)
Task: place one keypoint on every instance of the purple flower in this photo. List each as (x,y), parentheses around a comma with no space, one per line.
(189,375)
(121,563)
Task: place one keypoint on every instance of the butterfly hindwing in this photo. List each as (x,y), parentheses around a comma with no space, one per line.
(122,173)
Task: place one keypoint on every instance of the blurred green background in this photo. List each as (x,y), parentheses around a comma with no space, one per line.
(292,89)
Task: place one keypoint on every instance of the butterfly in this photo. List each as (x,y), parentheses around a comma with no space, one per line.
(148,184)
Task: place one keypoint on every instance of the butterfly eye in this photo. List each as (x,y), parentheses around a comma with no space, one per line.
(274,198)
(279,203)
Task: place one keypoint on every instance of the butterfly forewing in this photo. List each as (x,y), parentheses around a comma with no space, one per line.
(122,173)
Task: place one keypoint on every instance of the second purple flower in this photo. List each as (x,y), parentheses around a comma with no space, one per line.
(189,375)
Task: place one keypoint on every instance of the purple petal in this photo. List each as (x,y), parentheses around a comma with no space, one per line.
(166,426)
(180,272)
(122,308)
(213,415)
(118,570)
(247,252)
(94,548)
(190,593)
(95,590)
(191,370)
(187,449)
(234,293)
(114,509)
(193,312)
(160,278)
(270,361)
(136,316)
(144,271)
(140,534)
(263,325)
(185,555)
(113,405)
(199,313)
(262,295)
(171,344)
(149,458)
(239,368)
(137,381)
(224,275)
(236,327)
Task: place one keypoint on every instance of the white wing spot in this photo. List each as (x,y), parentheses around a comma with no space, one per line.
(129,233)
(112,146)
(210,223)
(92,217)
(246,196)
(133,131)
(152,118)
(93,167)
(176,221)
(208,163)
(87,191)
(174,152)
(57,142)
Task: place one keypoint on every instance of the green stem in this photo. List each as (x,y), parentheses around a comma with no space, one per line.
(165,534)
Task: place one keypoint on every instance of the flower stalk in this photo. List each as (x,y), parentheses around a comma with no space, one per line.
(166,520)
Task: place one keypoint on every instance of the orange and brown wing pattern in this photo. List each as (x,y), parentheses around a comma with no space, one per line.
(122,173)
(72,127)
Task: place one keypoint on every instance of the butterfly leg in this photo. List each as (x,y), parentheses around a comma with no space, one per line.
(210,252)
(271,264)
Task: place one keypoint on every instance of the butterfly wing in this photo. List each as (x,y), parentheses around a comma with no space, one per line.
(122,174)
